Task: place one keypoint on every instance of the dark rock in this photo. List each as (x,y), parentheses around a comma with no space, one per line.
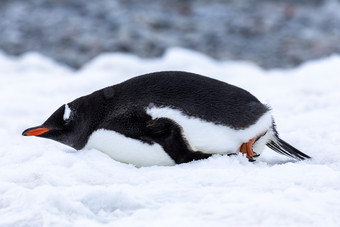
(271,33)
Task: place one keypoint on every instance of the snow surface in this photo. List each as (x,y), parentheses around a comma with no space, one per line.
(44,183)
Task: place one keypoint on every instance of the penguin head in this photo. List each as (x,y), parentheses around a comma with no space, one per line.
(72,123)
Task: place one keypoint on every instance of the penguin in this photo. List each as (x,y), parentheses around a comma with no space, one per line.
(167,118)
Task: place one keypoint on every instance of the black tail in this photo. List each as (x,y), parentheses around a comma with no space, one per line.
(284,148)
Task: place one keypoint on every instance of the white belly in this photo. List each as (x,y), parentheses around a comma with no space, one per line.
(204,136)
(128,150)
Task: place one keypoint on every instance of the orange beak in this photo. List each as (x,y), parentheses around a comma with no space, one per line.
(35,131)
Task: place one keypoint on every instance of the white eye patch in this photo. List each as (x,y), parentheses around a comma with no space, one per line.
(67,112)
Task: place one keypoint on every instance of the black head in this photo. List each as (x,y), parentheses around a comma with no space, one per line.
(73,123)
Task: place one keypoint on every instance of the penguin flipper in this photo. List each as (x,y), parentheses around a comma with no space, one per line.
(169,135)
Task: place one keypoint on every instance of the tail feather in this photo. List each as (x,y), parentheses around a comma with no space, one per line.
(284,148)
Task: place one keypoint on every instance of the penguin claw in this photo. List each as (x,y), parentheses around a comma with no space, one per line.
(251,160)
(256,155)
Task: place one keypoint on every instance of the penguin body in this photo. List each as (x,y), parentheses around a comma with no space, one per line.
(166,118)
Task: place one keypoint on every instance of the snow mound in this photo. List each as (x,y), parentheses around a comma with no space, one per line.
(44,183)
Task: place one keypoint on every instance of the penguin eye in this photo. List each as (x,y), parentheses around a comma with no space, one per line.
(67,122)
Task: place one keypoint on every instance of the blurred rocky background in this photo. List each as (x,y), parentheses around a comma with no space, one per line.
(271,33)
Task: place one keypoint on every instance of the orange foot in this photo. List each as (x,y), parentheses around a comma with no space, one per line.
(247,148)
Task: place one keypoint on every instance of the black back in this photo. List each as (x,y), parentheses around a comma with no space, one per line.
(195,95)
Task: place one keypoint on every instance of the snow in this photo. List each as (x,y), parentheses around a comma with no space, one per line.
(44,183)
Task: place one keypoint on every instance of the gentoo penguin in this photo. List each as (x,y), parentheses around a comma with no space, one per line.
(165,118)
